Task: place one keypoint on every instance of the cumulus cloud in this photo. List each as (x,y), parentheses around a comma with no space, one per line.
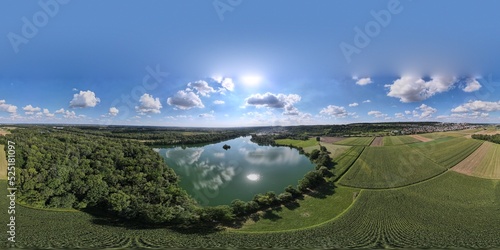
(354,104)
(363,81)
(425,111)
(60,111)
(399,115)
(227,83)
(413,89)
(471,85)
(69,114)
(113,111)
(148,105)
(477,106)
(367,101)
(185,100)
(271,100)
(84,99)
(209,115)
(334,111)
(9,108)
(219,102)
(30,110)
(377,113)
(201,87)
(47,113)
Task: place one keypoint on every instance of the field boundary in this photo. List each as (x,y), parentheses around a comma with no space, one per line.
(349,167)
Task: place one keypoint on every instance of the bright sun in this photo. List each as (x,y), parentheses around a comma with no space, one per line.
(251,80)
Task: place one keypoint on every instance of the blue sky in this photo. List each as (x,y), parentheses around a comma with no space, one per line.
(247,63)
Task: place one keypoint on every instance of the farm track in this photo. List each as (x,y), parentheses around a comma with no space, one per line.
(421,138)
(377,142)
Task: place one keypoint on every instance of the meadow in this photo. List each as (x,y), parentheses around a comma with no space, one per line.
(484,162)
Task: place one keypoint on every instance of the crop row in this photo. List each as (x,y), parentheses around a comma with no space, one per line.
(447,152)
(356,141)
(399,140)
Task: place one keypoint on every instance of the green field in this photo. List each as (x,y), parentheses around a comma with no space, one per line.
(386,167)
(3,164)
(344,161)
(297,143)
(312,211)
(447,151)
(356,141)
(439,135)
(335,150)
(399,140)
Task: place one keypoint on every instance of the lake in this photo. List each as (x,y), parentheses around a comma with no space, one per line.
(214,176)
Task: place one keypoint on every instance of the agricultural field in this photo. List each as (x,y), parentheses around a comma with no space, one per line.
(343,162)
(327,139)
(377,142)
(422,138)
(335,150)
(297,143)
(4,131)
(399,140)
(447,151)
(356,141)
(311,212)
(388,167)
(484,162)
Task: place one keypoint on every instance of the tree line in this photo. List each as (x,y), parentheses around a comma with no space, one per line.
(491,138)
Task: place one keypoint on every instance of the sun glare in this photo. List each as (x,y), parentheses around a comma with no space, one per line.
(251,80)
(253,177)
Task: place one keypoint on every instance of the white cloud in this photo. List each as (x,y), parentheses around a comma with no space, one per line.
(228,84)
(481,106)
(471,85)
(185,100)
(9,108)
(426,111)
(335,111)
(354,104)
(60,111)
(278,101)
(201,87)
(363,81)
(30,110)
(47,113)
(209,115)
(399,115)
(412,89)
(113,111)
(377,113)
(69,114)
(84,99)
(148,104)
(407,112)
(219,102)
(367,101)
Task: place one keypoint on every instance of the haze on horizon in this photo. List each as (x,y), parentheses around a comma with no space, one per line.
(248,63)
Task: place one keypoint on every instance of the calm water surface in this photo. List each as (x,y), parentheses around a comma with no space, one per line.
(214,176)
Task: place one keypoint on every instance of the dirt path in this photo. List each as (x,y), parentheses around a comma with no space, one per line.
(473,161)
(3,164)
(377,142)
(421,138)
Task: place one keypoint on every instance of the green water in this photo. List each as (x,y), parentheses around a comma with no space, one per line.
(214,176)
